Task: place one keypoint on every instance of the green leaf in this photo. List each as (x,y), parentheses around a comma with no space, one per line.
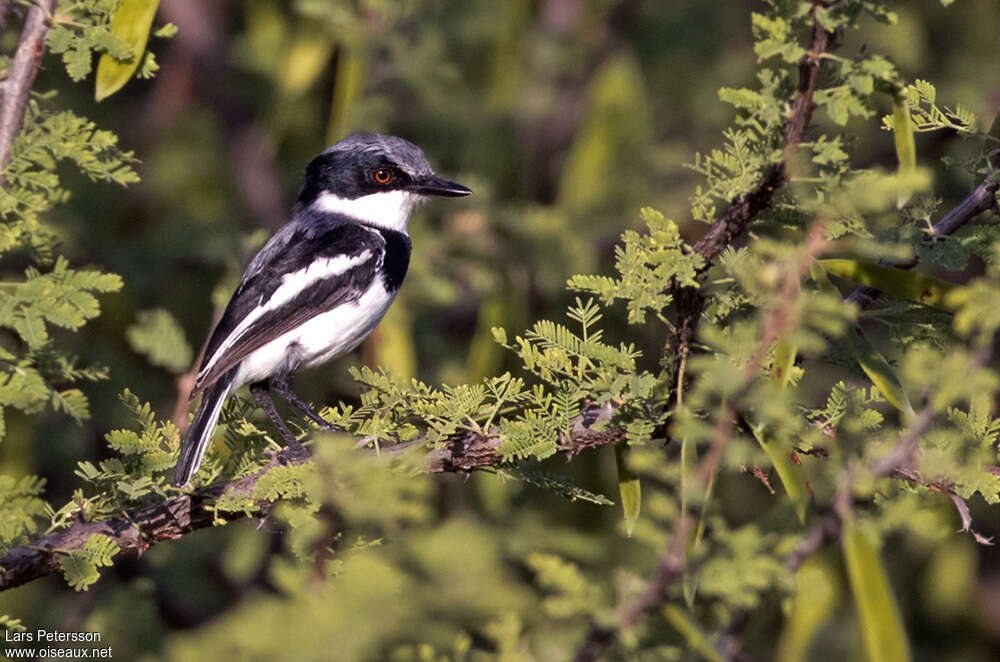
(629,488)
(351,66)
(394,347)
(166,32)
(304,60)
(130,24)
(73,402)
(31,328)
(881,624)
(900,283)
(79,572)
(80,566)
(557,484)
(570,593)
(77,63)
(157,335)
(689,467)
(689,482)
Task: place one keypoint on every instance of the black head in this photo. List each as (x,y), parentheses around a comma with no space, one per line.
(369,163)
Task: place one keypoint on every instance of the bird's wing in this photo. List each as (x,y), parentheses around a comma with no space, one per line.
(300,273)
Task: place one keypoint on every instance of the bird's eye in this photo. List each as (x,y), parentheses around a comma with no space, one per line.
(382,176)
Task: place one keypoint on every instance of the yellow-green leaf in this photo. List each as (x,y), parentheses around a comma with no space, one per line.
(878,370)
(351,65)
(817,595)
(131,24)
(881,624)
(906,148)
(304,61)
(391,345)
(900,283)
(689,482)
(784,361)
(682,621)
(505,307)
(629,488)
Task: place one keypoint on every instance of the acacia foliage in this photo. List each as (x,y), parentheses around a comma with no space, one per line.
(882,432)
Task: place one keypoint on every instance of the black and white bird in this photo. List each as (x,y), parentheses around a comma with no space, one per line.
(320,285)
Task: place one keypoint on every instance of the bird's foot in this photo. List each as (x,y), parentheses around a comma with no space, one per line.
(283,388)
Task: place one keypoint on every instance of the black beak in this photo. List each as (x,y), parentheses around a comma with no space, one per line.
(434,185)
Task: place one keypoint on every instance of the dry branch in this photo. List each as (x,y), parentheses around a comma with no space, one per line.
(16,88)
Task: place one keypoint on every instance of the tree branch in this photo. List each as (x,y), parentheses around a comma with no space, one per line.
(738,214)
(673,563)
(15,90)
(897,463)
(139,529)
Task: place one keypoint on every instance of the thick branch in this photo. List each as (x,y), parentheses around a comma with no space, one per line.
(139,529)
(15,90)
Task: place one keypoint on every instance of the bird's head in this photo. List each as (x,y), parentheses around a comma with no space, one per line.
(375,178)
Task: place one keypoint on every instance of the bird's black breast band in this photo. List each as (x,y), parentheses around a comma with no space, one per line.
(396,260)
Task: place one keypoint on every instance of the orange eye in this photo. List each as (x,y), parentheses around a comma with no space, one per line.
(382,176)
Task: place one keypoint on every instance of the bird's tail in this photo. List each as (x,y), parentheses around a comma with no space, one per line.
(200,433)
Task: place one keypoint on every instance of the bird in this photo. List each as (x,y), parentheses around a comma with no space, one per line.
(320,284)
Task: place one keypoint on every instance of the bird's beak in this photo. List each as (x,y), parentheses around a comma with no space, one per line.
(434,185)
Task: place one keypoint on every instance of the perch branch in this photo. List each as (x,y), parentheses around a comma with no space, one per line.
(137,530)
(16,88)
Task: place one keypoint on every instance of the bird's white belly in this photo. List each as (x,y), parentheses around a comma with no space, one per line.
(319,339)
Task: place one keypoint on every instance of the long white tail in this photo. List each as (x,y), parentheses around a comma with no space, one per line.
(200,432)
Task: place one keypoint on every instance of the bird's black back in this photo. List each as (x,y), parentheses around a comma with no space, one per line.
(293,248)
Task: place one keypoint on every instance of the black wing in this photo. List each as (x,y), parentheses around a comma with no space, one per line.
(292,249)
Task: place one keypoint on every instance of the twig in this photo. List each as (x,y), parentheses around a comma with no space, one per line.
(902,455)
(138,529)
(898,463)
(982,198)
(16,88)
(822,532)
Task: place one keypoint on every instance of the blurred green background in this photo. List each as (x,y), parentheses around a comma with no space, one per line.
(565,117)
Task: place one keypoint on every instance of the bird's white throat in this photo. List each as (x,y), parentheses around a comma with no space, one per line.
(387,209)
